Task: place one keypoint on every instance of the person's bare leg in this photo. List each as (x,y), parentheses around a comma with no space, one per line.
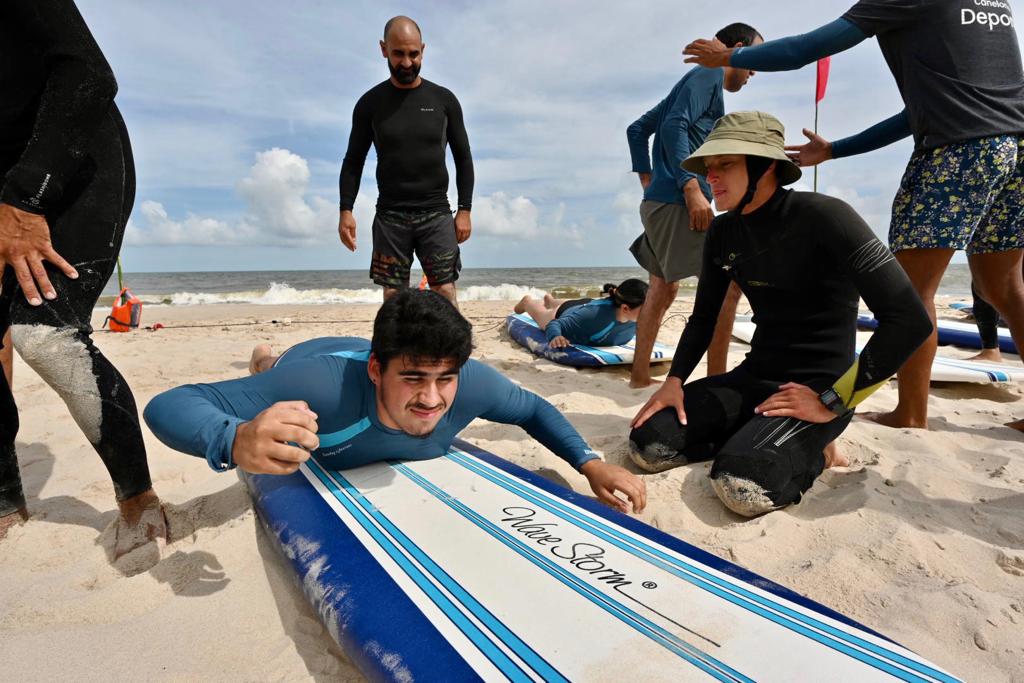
(659,297)
(833,458)
(718,352)
(262,359)
(390,292)
(1016,424)
(448,292)
(998,279)
(924,267)
(7,359)
(540,313)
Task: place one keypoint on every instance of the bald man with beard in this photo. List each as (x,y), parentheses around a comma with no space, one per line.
(409,121)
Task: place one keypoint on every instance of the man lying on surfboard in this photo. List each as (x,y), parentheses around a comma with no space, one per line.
(404,395)
(803,260)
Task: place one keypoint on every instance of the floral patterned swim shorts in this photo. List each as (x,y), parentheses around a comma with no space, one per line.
(967,195)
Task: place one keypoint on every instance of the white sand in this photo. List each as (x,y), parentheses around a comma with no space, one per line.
(921,539)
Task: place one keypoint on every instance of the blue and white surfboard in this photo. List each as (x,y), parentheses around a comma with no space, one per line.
(954,334)
(468,568)
(524,330)
(944,369)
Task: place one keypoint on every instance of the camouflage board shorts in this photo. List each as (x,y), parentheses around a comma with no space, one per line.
(399,235)
(968,195)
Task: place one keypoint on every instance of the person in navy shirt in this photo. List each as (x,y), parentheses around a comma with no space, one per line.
(404,395)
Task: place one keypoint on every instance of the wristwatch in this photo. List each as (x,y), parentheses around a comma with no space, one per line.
(831,400)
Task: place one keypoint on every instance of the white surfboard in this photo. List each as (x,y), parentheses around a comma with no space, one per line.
(944,368)
(467,567)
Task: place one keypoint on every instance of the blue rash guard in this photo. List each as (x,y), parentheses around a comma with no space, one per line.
(593,324)
(787,54)
(330,374)
(679,124)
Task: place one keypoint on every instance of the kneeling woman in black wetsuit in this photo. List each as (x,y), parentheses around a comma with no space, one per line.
(610,321)
(803,260)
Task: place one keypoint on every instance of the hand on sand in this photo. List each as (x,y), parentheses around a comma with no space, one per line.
(24,245)
(263,445)
(810,153)
(559,342)
(606,479)
(347,230)
(796,400)
(709,53)
(668,395)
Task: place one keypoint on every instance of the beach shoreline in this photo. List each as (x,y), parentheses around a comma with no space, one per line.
(922,538)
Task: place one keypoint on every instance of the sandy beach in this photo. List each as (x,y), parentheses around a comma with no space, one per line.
(921,538)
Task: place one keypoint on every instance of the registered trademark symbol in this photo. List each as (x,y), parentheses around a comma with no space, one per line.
(649,584)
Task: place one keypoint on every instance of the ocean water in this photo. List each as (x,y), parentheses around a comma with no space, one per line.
(353,286)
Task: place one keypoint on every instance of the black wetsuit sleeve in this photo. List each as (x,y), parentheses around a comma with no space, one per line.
(79,91)
(700,328)
(458,139)
(903,323)
(359,141)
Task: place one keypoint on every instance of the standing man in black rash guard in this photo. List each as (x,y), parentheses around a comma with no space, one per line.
(802,259)
(66,173)
(409,121)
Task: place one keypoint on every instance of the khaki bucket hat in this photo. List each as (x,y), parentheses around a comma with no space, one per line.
(752,133)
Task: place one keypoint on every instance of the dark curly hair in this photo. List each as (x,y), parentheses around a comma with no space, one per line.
(422,325)
(738,33)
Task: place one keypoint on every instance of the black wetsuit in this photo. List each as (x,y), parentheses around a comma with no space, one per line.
(410,129)
(65,154)
(803,260)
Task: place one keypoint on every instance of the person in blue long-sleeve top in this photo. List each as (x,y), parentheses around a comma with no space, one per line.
(958,67)
(404,395)
(610,321)
(676,209)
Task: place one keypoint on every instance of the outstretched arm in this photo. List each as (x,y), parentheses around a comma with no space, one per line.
(818,149)
(783,54)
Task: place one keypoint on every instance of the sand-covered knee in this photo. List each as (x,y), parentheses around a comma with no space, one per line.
(742,496)
(64,362)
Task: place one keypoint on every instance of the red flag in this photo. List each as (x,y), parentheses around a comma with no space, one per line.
(823,65)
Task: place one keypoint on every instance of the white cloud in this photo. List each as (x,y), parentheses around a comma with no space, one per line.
(499,215)
(277,211)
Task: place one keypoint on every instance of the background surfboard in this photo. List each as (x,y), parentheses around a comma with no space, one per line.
(944,369)
(467,567)
(954,334)
(524,330)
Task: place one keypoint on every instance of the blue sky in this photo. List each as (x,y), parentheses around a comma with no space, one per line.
(239,114)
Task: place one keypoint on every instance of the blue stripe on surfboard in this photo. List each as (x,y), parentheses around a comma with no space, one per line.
(334,479)
(343,581)
(694,655)
(610,534)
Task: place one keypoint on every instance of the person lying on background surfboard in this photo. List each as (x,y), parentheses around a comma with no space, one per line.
(803,260)
(403,395)
(610,321)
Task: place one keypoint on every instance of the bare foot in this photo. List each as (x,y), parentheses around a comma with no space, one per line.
(1016,424)
(521,306)
(142,521)
(833,458)
(549,301)
(641,382)
(988,355)
(895,420)
(262,358)
(13,519)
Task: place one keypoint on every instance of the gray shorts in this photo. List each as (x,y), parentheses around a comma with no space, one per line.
(668,248)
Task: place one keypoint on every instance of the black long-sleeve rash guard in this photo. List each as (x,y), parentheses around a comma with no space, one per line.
(803,260)
(55,89)
(409,129)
